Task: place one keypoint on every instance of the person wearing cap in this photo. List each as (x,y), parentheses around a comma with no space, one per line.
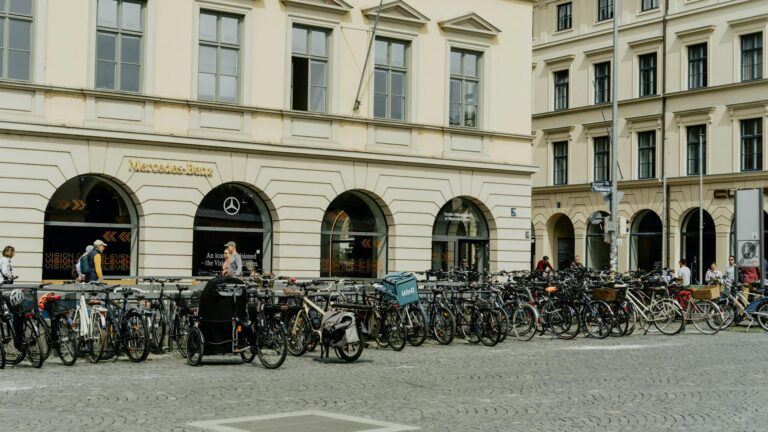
(235,267)
(78,267)
(94,262)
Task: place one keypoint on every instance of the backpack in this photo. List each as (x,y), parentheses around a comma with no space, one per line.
(85,267)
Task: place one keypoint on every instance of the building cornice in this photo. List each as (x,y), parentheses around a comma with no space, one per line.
(656,183)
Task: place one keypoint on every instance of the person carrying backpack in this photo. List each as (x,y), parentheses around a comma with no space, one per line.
(81,267)
(94,262)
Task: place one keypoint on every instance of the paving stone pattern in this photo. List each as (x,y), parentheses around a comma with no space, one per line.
(689,382)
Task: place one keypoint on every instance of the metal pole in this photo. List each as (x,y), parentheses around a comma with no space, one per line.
(701,209)
(614,137)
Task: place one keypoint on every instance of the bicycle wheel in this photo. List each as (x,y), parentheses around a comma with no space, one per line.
(157,330)
(561,319)
(705,316)
(473,330)
(272,344)
(44,333)
(598,319)
(135,337)
(523,322)
(179,331)
(35,353)
(762,316)
(2,355)
(194,345)
(14,353)
(299,333)
(395,329)
(352,351)
(667,317)
(67,345)
(504,323)
(443,325)
(416,325)
(492,328)
(249,354)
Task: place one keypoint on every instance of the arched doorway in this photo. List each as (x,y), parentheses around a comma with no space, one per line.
(598,251)
(85,209)
(646,241)
(231,212)
(354,238)
(563,243)
(460,237)
(690,242)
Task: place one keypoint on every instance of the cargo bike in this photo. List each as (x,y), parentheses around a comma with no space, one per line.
(237,317)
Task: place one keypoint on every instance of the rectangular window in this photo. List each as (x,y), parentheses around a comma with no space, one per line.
(603,82)
(218,71)
(16,39)
(561,90)
(309,68)
(602,159)
(752,57)
(646,155)
(697,66)
(560,163)
(697,136)
(465,86)
(604,10)
(119,33)
(564,16)
(647,74)
(390,79)
(649,4)
(752,145)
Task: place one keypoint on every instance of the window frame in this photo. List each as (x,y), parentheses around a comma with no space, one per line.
(464,79)
(119,32)
(561,24)
(564,86)
(389,69)
(605,10)
(6,16)
(651,158)
(755,140)
(692,156)
(703,61)
(647,5)
(757,56)
(601,171)
(602,84)
(650,72)
(560,159)
(219,45)
(310,28)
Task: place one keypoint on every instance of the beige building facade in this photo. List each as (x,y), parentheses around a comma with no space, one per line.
(690,72)
(167,128)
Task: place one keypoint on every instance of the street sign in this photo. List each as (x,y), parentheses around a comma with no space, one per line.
(601,186)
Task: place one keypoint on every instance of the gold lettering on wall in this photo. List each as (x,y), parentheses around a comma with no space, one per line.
(173,168)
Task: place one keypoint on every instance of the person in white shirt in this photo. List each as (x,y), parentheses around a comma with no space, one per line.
(713,276)
(730,271)
(684,273)
(6,269)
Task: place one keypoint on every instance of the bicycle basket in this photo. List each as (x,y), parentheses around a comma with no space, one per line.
(605,294)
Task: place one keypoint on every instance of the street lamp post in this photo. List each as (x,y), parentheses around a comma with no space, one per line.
(701,208)
(614,137)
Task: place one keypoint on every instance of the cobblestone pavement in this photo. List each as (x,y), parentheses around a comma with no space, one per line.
(687,383)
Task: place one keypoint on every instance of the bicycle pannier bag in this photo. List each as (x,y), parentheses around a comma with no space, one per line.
(339,328)
(403,286)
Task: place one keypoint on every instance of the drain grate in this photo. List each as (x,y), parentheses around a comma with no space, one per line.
(301,421)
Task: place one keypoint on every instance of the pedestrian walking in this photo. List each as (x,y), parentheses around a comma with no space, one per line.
(95,272)
(6,267)
(81,267)
(235,267)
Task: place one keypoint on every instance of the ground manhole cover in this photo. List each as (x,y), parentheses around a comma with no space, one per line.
(302,421)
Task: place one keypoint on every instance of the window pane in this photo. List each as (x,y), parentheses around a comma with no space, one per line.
(107,13)
(18,65)
(380,105)
(470,93)
(105,46)
(21,7)
(470,115)
(398,108)
(454,115)
(129,77)
(105,74)
(131,16)
(299,83)
(299,40)
(398,54)
(206,86)
(18,35)
(380,82)
(228,89)
(455,63)
(130,49)
(318,44)
(230,30)
(398,84)
(381,52)
(207,26)
(317,99)
(207,61)
(229,62)
(317,74)
(455,91)
(470,65)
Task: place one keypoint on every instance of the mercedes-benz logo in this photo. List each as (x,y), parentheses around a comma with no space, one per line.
(232,206)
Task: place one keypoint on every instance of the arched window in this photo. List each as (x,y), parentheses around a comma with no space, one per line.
(232,212)
(646,241)
(354,238)
(598,251)
(85,209)
(690,242)
(460,237)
